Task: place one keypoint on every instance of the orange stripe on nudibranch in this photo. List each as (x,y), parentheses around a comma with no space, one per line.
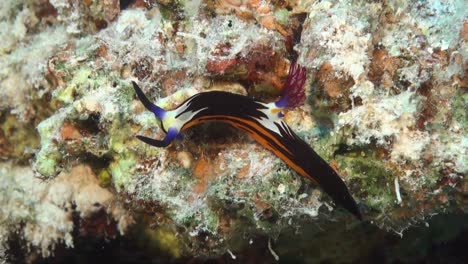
(246,121)
(241,124)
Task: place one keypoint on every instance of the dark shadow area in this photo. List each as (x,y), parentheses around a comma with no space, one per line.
(442,239)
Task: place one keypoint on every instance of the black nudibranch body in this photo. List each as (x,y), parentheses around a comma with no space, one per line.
(261,121)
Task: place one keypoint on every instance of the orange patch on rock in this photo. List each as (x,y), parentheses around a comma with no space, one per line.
(382,63)
(333,86)
(200,187)
(102,51)
(334,165)
(254,3)
(69,132)
(244,171)
(221,66)
(203,171)
(269,22)
(264,9)
(274,80)
(464,31)
(171,81)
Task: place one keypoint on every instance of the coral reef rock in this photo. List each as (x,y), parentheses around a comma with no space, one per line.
(386,107)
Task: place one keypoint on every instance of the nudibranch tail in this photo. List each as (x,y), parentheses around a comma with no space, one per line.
(158,111)
(293,91)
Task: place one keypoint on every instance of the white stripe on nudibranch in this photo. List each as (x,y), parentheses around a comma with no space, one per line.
(188,116)
(272,120)
(286,128)
(170,120)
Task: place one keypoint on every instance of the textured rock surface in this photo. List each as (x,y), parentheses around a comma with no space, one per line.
(387,99)
(44,213)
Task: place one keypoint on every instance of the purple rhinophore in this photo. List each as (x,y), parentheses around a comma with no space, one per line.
(157,111)
(293,91)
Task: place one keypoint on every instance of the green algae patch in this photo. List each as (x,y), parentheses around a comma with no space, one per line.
(282,16)
(120,134)
(147,119)
(80,77)
(46,162)
(120,142)
(211,221)
(66,95)
(459,104)
(164,240)
(122,169)
(19,138)
(105,178)
(373,179)
(49,156)
(363,169)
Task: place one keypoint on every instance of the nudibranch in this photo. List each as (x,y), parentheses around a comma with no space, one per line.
(262,121)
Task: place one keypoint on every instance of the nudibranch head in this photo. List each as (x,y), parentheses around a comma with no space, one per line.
(273,112)
(169,120)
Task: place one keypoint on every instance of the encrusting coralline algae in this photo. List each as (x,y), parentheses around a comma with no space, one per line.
(385,107)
